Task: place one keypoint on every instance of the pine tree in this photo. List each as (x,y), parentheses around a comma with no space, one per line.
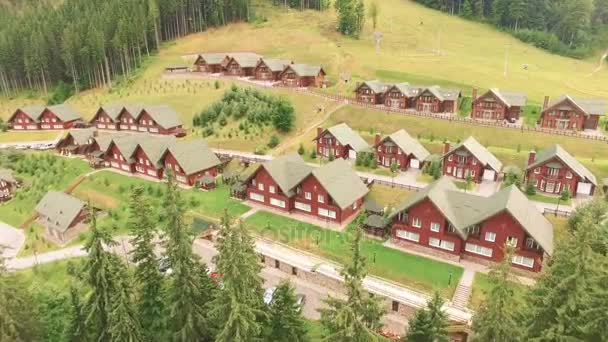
(429,324)
(187,314)
(147,276)
(374,11)
(467,9)
(100,279)
(556,304)
(357,318)
(285,322)
(123,322)
(496,320)
(238,305)
(18,321)
(76,330)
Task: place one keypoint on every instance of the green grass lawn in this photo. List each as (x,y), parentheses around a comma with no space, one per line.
(463,185)
(481,287)
(16,136)
(18,209)
(417,272)
(547,199)
(388,196)
(53,274)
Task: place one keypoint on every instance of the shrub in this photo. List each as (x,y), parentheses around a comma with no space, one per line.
(216,84)
(274,141)
(530,189)
(313,154)
(61,93)
(301,150)
(373,163)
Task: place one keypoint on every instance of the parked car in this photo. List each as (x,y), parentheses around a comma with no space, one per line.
(21,147)
(47,146)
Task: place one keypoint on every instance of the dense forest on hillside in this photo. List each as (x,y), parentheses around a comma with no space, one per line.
(318,5)
(566,27)
(88,43)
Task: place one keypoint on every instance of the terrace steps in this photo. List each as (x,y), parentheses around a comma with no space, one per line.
(461,296)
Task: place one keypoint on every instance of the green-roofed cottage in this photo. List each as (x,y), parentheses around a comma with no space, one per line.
(77,142)
(155,119)
(554,170)
(371,92)
(340,141)
(8,184)
(268,69)
(333,192)
(191,162)
(61,214)
(498,105)
(437,100)
(443,219)
(36,117)
(470,159)
(302,75)
(575,114)
(402,149)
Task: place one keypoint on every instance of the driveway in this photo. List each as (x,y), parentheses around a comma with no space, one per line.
(486,188)
(11,240)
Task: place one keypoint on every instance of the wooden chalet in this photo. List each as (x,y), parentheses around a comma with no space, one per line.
(241,64)
(106,117)
(8,184)
(340,141)
(268,69)
(470,159)
(333,192)
(437,100)
(443,220)
(192,162)
(555,170)
(210,62)
(76,142)
(302,75)
(498,105)
(400,148)
(371,92)
(155,119)
(60,213)
(44,118)
(401,96)
(568,113)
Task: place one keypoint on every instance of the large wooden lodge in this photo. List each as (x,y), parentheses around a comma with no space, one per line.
(155,119)
(55,117)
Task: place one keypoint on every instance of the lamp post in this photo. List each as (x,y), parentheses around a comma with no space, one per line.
(450,279)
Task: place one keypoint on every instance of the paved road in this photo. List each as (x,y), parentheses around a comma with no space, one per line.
(11,240)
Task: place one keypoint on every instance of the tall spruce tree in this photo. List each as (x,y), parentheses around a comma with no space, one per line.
(185,294)
(357,318)
(18,321)
(429,324)
(149,280)
(497,319)
(239,304)
(286,323)
(555,306)
(100,280)
(76,331)
(123,322)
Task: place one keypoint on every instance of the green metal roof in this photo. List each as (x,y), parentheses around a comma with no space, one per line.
(194,155)
(376,86)
(59,210)
(275,64)
(347,137)
(164,115)
(480,152)
(510,98)
(464,210)
(341,182)
(408,144)
(588,106)
(287,171)
(64,112)
(305,70)
(556,151)
(82,136)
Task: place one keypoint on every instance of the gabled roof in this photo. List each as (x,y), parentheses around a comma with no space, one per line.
(407,89)
(154,147)
(287,171)
(442,93)
(376,86)
(246,60)
(112,110)
(59,209)
(509,98)
(212,58)
(275,64)
(33,111)
(194,155)
(408,144)
(480,152)
(464,210)
(64,112)
(346,136)
(305,70)
(164,115)
(104,141)
(341,182)
(6,175)
(82,136)
(557,151)
(588,106)
(125,144)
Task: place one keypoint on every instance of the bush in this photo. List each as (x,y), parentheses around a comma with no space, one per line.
(301,150)
(216,84)
(530,189)
(550,42)
(274,141)
(313,154)
(61,93)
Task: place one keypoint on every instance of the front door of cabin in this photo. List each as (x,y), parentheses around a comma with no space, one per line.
(561,124)
(427,107)
(550,187)
(394,103)
(487,114)
(459,173)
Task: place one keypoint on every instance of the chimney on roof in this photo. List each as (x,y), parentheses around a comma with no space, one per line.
(446,147)
(531,157)
(377,139)
(546,102)
(319,131)
(474,95)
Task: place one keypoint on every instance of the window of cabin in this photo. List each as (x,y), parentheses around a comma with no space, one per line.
(435,227)
(416,222)
(451,157)
(307,195)
(271,189)
(321,199)
(260,186)
(512,241)
(569,175)
(537,170)
(490,236)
